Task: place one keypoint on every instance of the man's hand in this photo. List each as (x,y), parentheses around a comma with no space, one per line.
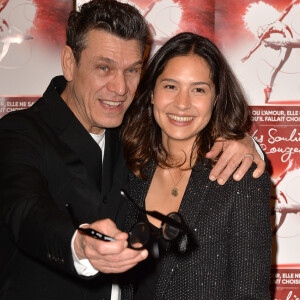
(108,257)
(235,152)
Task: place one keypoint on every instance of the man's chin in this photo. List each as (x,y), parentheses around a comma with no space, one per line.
(111,125)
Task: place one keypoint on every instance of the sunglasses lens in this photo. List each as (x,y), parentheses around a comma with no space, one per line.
(139,235)
(170,232)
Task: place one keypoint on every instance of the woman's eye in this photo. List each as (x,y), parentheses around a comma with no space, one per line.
(169,86)
(199,90)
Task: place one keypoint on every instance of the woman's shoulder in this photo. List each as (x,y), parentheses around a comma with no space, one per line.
(250,189)
(247,185)
(248,178)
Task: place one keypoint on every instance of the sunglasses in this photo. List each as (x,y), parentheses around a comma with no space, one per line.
(142,233)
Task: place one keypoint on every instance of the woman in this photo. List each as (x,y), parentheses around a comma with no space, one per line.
(187,98)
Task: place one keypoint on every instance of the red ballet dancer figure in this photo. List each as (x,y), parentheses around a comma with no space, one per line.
(3,4)
(285,207)
(284,210)
(6,36)
(264,32)
(148,10)
(3,24)
(156,40)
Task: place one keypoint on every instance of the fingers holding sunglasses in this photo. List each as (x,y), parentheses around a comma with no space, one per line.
(107,257)
(119,263)
(84,241)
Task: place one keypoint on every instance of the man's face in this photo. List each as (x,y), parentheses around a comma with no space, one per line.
(102,85)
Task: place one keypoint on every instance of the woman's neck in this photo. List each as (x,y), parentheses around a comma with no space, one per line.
(179,152)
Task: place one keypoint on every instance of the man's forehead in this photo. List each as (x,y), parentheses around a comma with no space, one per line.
(106,47)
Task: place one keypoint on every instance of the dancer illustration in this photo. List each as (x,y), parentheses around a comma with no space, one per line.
(163,19)
(284,207)
(284,44)
(161,35)
(7,37)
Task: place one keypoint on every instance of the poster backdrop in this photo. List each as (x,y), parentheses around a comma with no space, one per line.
(31,35)
(260,39)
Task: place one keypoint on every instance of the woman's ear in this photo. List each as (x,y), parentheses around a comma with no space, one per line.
(67,62)
(152,97)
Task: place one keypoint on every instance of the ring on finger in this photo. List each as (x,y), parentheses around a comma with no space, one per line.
(248,155)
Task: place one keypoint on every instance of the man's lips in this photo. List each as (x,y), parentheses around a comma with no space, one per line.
(111,104)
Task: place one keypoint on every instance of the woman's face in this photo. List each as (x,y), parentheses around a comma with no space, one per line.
(183,98)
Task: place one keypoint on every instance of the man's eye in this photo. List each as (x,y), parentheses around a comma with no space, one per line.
(132,71)
(103,68)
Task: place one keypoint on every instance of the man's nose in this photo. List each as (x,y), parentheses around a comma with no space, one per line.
(117,84)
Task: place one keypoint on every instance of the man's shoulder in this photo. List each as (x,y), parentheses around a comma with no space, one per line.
(21,119)
(43,110)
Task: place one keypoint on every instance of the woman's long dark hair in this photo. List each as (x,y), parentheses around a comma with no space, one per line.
(230,118)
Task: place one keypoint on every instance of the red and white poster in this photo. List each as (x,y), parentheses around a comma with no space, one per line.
(277,130)
(260,39)
(31,35)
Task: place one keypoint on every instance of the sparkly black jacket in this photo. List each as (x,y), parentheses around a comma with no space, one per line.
(227,252)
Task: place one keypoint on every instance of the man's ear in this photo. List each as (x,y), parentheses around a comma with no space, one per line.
(67,62)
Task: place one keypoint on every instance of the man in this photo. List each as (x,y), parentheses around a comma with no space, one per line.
(51,156)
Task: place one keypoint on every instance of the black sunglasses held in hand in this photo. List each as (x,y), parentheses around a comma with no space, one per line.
(172,225)
(88,231)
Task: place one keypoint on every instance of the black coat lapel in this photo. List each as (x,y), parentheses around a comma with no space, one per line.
(111,147)
(80,141)
(195,194)
(61,119)
(190,207)
(138,190)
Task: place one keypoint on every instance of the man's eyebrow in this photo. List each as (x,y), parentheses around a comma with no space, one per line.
(104,59)
(140,62)
(111,61)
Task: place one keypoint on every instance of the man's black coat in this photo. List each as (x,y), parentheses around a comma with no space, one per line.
(48,159)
